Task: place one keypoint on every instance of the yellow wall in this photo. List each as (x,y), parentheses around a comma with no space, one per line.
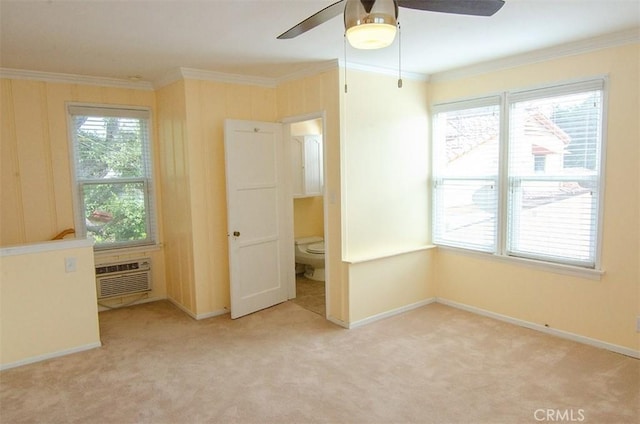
(45,311)
(385,162)
(36,173)
(308,216)
(208,104)
(36,189)
(176,199)
(191,123)
(605,310)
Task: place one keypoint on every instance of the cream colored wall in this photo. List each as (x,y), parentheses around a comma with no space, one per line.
(385,162)
(36,187)
(390,284)
(604,310)
(45,311)
(315,94)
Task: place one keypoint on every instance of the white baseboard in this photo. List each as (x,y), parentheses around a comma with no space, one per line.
(212,314)
(390,313)
(338,322)
(51,355)
(198,316)
(538,327)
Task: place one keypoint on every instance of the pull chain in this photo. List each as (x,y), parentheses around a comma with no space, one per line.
(345,62)
(399,56)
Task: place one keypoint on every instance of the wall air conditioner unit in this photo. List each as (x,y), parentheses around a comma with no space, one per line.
(122,278)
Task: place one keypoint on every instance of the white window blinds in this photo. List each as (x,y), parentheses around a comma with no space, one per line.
(466,147)
(554,173)
(525,182)
(113,173)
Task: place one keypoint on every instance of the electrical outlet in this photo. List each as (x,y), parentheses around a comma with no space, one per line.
(70,264)
(638,324)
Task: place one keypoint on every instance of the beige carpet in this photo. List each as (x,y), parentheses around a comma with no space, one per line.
(435,364)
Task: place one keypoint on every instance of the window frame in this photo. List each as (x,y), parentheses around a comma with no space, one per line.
(506,99)
(147,180)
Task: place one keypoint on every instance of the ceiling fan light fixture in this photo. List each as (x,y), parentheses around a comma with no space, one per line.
(374,28)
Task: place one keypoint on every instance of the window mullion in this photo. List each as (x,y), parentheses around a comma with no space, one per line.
(503,185)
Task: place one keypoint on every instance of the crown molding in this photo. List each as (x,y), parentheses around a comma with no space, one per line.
(615,39)
(384,71)
(54,77)
(183,73)
(311,70)
(204,75)
(199,74)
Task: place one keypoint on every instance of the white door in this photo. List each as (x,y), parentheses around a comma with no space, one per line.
(261,255)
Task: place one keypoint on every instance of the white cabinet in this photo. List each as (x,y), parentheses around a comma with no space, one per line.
(306,155)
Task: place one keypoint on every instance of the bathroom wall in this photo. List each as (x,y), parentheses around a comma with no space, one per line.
(308,216)
(308,212)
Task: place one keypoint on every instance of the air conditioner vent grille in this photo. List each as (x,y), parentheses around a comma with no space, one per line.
(123,278)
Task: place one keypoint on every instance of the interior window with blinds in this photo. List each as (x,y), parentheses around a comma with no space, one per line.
(554,173)
(466,148)
(525,183)
(112,169)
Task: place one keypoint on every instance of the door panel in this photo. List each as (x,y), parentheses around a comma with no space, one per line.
(260,238)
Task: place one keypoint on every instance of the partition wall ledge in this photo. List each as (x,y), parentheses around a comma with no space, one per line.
(385,255)
(46,246)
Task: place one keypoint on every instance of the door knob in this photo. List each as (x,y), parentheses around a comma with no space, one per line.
(236,233)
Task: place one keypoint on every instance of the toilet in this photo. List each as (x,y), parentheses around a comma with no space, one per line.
(310,257)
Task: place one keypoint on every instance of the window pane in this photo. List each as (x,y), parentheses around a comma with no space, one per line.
(112,170)
(554,219)
(554,157)
(109,147)
(116,212)
(468,142)
(466,213)
(466,151)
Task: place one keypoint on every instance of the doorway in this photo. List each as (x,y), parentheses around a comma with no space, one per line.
(307,144)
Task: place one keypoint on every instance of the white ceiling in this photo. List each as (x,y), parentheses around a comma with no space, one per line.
(152,38)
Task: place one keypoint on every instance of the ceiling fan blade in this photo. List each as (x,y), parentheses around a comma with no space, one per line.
(459,7)
(314,20)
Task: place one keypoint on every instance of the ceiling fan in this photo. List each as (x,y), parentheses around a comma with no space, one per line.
(372,24)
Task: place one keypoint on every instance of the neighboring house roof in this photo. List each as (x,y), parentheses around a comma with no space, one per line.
(545,136)
(464,136)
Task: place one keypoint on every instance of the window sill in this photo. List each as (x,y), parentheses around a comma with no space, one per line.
(123,251)
(574,271)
